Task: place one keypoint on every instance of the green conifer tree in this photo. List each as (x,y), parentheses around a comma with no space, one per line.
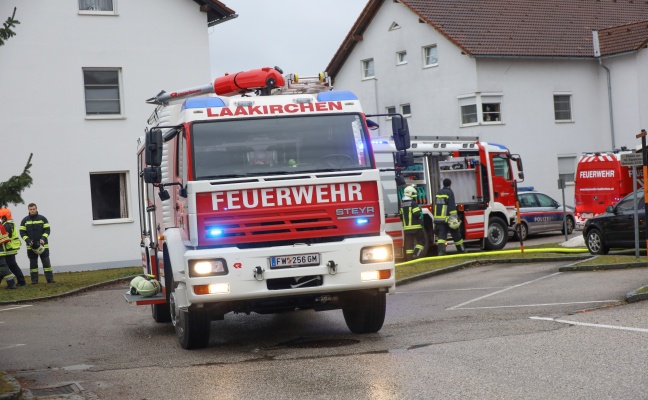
(5,31)
(10,191)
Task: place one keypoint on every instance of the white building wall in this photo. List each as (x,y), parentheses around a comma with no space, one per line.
(527,86)
(158,45)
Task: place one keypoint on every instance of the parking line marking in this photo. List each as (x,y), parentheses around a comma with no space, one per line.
(564,321)
(11,346)
(503,290)
(540,305)
(450,290)
(15,308)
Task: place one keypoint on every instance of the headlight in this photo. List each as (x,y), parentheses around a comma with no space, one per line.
(376,254)
(198,268)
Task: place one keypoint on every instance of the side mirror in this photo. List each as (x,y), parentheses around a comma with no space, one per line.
(609,209)
(153,147)
(400,132)
(403,160)
(152,174)
(520,168)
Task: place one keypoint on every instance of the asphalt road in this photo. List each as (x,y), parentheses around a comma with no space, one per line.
(489,332)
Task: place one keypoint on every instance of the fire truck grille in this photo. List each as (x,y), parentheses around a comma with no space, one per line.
(269,224)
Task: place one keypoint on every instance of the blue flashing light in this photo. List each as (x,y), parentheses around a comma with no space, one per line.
(214,232)
(379,142)
(362,221)
(525,188)
(501,146)
(203,102)
(336,95)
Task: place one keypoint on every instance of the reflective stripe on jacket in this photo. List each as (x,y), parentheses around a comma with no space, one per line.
(444,205)
(410,214)
(14,245)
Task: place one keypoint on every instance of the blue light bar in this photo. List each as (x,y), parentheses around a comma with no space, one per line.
(379,142)
(202,102)
(336,95)
(214,232)
(362,221)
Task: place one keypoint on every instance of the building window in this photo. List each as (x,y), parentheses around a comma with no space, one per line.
(567,167)
(102,91)
(390,110)
(562,107)
(109,195)
(430,56)
(97,7)
(406,110)
(401,57)
(481,109)
(368,68)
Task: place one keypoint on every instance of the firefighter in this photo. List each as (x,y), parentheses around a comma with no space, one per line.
(35,230)
(410,214)
(446,219)
(5,273)
(12,246)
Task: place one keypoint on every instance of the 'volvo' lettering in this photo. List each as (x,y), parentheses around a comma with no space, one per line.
(287,196)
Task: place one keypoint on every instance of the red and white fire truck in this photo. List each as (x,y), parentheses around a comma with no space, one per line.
(483,179)
(262,203)
(601,181)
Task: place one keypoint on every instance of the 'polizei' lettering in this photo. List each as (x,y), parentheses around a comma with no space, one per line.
(286,196)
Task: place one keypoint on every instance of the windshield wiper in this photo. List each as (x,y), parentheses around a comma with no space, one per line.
(223,176)
(266,173)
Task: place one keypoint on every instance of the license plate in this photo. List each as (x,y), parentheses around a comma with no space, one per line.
(300,260)
(587,215)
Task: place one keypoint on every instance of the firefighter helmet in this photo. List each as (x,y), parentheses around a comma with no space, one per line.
(410,191)
(453,222)
(133,284)
(39,250)
(4,212)
(148,288)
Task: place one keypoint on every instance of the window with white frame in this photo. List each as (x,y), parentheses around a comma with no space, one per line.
(567,167)
(406,110)
(562,107)
(481,109)
(108,195)
(390,110)
(97,7)
(103,91)
(430,56)
(401,57)
(368,68)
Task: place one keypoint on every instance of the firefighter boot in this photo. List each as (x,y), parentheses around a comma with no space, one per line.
(461,249)
(47,269)
(441,249)
(34,277)
(11,283)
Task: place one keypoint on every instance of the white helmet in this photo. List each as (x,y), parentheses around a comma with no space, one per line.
(410,191)
(39,250)
(453,222)
(148,288)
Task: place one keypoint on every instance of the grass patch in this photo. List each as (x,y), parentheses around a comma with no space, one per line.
(642,290)
(613,259)
(5,387)
(65,282)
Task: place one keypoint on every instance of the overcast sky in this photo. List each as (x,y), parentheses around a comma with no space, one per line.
(299,36)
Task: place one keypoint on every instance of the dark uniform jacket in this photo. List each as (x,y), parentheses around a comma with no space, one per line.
(410,214)
(444,205)
(34,228)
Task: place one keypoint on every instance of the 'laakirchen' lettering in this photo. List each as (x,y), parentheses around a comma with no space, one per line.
(286,196)
(271,109)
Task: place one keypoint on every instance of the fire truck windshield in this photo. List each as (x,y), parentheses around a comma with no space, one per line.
(290,145)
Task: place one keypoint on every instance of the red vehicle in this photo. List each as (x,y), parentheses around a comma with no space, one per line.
(601,181)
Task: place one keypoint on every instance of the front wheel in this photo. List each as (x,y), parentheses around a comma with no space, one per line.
(569,222)
(192,327)
(497,234)
(595,243)
(161,312)
(521,229)
(364,312)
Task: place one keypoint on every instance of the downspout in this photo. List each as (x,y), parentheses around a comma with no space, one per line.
(597,54)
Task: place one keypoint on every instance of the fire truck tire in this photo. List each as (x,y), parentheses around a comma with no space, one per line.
(192,328)
(595,243)
(570,225)
(162,312)
(523,229)
(364,312)
(497,234)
